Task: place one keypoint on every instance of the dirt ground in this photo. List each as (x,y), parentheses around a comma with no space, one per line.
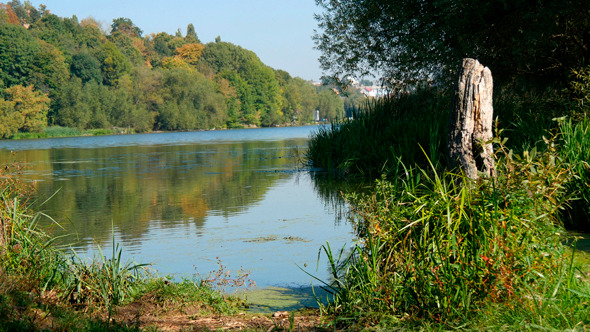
(146,313)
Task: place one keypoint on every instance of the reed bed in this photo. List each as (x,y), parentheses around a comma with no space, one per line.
(439,251)
(575,150)
(381,134)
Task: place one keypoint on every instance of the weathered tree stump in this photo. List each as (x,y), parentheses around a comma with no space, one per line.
(470,126)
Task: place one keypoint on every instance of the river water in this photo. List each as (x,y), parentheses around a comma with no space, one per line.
(187,201)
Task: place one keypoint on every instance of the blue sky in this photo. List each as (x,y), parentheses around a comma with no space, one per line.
(279,31)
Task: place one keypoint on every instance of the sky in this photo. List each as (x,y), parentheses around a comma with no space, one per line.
(278,31)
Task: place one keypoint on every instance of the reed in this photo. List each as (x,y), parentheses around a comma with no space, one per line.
(383,133)
(39,279)
(575,150)
(440,249)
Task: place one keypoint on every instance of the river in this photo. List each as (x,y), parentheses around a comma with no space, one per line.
(187,201)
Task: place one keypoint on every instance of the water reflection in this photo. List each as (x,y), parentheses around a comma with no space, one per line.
(189,199)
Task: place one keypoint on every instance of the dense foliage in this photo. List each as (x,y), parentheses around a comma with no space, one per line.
(80,77)
(412,41)
(439,249)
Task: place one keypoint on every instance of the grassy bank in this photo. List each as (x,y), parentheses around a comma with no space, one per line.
(439,251)
(58,131)
(42,287)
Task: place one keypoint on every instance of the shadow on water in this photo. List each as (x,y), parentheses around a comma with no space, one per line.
(331,191)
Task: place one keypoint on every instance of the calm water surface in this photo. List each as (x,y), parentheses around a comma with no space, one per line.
(182,200)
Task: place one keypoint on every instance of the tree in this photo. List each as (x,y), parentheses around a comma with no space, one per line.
(18,51)
(255,83)
(24,109)
(330,105)
(190,102)
(9,123)
(126,26)
(114,63)
(86,67)
(190,52)
(301,100)
(191,34)
(8,15)
(416,41)
(69,110)
(51,70)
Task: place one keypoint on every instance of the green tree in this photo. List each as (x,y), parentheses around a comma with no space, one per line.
(191,34)
(125,26)
(25,60)
(191,101)
(330,105)
(114,63)
(127,45)
(86,67)
(51,70)
(301,100)
(18,51)
(255,83)
(410,41)
(69,109)
(53,30)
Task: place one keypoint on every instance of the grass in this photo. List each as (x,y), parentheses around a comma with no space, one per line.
(44,287)
(438,251)
(58,131)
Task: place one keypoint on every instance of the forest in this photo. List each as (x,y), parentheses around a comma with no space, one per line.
(63,72)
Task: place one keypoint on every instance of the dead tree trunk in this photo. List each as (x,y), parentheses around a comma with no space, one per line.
(470,125)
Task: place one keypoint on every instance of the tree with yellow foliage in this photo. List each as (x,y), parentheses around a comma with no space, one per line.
(23,109)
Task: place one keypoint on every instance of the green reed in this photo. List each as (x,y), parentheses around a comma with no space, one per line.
(108,281)
(382,133)
(441,249)
(575,149)
(33,270)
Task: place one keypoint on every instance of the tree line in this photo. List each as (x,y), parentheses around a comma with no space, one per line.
(64,72)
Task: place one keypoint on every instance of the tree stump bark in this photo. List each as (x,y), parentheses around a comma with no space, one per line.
(470,126)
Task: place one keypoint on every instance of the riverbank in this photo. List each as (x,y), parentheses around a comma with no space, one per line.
(46,288)
(441,251)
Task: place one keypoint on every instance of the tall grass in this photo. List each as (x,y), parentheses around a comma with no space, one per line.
(382,133)
(576,151)
(38,279)
(440,249)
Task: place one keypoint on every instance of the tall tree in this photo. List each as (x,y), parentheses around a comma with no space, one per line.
(18,51)
(416,40)
(23,109)
(191,34)
(126,26)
